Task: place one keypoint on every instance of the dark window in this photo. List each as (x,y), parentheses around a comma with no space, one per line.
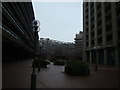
(119,35)
(109,37)
(109,27)
(99,31)
(92,27)
(118,23)
(92,34)
(99,14)
(92,43)
(107,6)
(99,22)
(86,4)
(87,37)
(87,44)
(108,17)
(99,40)
(98,6)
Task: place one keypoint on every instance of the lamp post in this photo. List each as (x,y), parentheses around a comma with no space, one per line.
(36,29)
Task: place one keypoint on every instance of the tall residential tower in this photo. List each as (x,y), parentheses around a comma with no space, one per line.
(101,33)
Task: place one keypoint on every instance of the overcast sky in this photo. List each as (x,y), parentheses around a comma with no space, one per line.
(59,20)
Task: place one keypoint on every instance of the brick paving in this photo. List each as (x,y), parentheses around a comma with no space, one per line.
(18,75)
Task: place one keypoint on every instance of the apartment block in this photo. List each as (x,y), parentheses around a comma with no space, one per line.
(101,34)
(79,45)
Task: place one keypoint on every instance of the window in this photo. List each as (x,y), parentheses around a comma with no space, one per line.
(92,35)
(109,37)
(109,27)
(119,35)
(108,17)
(99,40)
(99,14)
(99,31)
(107,6)
(98,6)
(92,27)
(118,23)
(86,4)
(92,43)
(99,22)
(87,44)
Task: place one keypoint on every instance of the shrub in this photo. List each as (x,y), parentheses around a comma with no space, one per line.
(77,68)
(59,62)
(44,63)
(40,62)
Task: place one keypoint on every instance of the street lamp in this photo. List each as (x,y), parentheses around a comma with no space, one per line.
(36,29)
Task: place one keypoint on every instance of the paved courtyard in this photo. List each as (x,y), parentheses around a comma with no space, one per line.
(54,77)
(18,75)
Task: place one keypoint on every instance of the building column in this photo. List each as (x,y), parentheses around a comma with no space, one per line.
(89,23)
(103,25)
(95,29)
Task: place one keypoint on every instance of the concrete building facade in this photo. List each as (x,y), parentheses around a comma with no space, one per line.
(17,31)
(101,33)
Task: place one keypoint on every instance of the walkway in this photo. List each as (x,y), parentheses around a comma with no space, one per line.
(18,75)
(54,77)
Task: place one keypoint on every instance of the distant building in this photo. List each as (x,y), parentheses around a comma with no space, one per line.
(48,46)
(56,49)
(101,33)
(79,45)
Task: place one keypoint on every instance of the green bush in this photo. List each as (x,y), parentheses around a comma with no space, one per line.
(77,68)
(40,63)
(59,62)
(44,63)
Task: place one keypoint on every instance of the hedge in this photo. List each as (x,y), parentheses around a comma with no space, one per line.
(77,68)
(59,62)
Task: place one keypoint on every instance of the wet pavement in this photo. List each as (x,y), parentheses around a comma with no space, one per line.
(18,75)
(54,77)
